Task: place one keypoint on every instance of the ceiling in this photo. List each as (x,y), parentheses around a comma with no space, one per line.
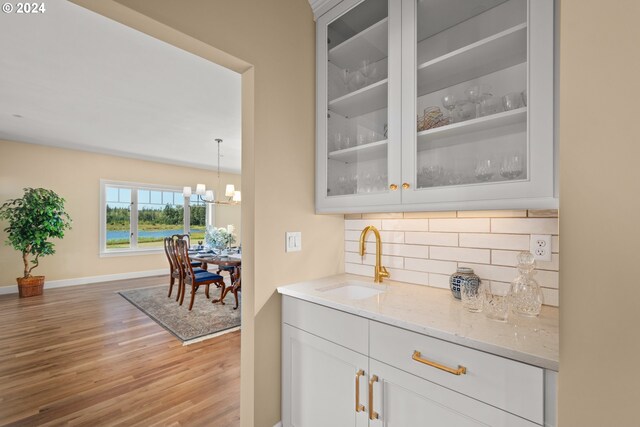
(75,79)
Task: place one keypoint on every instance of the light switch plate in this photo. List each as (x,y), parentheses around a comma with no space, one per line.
(293,241)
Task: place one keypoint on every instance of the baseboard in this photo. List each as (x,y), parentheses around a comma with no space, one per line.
(50,284)
(279,424)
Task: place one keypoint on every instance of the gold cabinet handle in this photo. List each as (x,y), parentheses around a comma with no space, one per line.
(393,187)
(359,406)
(373,415)
(405,186)
(418,358)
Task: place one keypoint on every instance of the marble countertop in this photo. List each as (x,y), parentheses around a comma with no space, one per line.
(434,312)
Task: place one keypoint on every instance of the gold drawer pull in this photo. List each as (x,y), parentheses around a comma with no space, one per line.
(405,186)
(359,406)
(373,415)
(460,371)
(393,187)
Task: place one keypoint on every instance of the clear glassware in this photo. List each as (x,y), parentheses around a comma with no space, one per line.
(476,94)
(484,170)
(512,101)
(512,167)
(449,102)
(489,106)
(526,294)
(337,141)
(358,81)
(472,297)
(496,301)
(345,76)
(369,70)
(464,110)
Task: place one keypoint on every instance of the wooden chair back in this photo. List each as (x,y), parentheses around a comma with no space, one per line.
(182,255)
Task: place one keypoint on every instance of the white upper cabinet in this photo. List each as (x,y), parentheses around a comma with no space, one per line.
(435,105)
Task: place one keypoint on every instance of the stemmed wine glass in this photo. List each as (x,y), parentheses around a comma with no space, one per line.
(449,102)
(346,76)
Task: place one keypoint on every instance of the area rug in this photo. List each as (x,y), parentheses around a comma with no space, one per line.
(206,320)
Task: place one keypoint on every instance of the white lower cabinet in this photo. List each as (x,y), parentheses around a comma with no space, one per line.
(402,400)
(319,382)
(333,362)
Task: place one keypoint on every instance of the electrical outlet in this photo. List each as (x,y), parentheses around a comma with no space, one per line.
(540,247)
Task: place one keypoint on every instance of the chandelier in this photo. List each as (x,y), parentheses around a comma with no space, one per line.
(233,197)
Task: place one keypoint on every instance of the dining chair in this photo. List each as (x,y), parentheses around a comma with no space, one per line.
(191,278)
(174,266)
(187,238)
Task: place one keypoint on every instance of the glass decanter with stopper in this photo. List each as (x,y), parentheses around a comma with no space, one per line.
(526,295)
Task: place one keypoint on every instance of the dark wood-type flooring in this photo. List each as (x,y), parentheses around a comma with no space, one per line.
(84,356)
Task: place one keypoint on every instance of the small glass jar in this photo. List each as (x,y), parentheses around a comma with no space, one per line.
(464,276)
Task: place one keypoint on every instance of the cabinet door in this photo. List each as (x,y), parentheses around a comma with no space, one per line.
(478,104)
(358,106)
(320,381)
(401,399)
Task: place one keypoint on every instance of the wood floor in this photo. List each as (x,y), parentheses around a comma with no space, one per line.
(83,355)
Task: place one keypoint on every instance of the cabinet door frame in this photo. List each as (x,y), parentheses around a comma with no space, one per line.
(359,361)
(455,402)
(535,192)
(324,203)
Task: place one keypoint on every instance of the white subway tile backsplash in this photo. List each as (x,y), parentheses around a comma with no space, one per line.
(439,280)
(382,215)
(525,225)
(429,238)
(492,272)
(550,297)
(482,256)
(405,224)
(352,257)
(416,277)
(430,265)
(423,215)
(495,241)
(425,248)
(359,224)
(410,251)
(466,225)
(492,214)
(359,269)
(509,258)
(387,261)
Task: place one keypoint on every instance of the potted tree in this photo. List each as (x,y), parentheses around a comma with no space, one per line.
(33,219)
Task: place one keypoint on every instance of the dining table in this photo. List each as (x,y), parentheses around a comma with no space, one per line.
(232,263)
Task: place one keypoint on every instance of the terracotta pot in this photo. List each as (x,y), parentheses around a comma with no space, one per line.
(30,286)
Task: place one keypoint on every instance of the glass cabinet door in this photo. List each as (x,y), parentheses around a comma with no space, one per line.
(466,122)
(358,105)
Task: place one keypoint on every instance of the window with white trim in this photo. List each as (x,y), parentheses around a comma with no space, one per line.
(135,218)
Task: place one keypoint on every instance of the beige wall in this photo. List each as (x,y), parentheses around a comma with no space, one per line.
(75,175)
(273,44)
(599,205)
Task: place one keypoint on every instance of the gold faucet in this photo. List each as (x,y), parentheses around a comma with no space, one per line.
(380,271)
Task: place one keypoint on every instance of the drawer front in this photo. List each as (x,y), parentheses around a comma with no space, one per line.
(336,326)
(512,386)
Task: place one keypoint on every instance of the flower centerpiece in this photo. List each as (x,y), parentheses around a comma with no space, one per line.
(220,238)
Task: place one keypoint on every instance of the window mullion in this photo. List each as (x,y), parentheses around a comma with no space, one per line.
(187,215)
(134,218)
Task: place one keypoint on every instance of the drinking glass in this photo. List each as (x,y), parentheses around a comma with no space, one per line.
(476,94)
(337,141)
(465,110)
(345,76)
(512,167)
(362,139)
(358,81)
(496,301)
(512,101)
(472,297)
(490,105)
(369,70)
(484,170)
(449,102)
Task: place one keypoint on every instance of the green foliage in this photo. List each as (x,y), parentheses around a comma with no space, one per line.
(33,219)
(119,218)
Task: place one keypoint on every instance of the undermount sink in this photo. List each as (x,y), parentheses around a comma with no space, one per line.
(352,290)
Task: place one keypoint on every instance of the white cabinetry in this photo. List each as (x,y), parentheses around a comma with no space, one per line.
(344,370)
(386,138)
